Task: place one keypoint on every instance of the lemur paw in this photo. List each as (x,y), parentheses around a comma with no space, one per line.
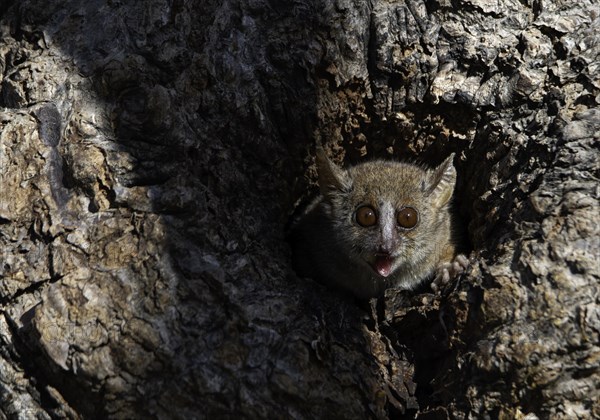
(448,271)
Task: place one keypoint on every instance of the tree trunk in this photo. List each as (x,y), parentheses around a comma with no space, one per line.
(152,152)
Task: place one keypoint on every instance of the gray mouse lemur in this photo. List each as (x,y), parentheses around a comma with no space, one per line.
(378,224)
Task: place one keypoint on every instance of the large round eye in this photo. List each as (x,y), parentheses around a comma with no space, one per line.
(407,218)
(366,216)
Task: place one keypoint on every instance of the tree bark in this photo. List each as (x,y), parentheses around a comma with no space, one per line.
(152,152)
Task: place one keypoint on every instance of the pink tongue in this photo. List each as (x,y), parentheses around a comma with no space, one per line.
(383,265)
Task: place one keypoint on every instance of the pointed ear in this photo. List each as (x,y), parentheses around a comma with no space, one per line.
(441,182)
(331,177)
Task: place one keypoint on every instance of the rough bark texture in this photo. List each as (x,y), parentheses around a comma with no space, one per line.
(151,153)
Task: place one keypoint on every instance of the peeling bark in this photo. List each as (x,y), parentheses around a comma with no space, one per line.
(152,152)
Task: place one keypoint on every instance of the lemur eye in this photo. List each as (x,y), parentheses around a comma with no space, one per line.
(366,216)
(407,218)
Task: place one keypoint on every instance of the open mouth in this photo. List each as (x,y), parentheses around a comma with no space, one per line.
(383,264)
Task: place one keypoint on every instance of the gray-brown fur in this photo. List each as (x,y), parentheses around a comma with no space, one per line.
(331,246)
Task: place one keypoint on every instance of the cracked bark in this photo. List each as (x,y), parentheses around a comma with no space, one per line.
(152,152)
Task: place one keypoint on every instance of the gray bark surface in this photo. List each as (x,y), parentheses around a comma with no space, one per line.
(152,152)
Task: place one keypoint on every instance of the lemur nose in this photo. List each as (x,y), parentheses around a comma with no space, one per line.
(384,249)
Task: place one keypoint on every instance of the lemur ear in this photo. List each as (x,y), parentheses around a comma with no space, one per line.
(441,182)
(332,178)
